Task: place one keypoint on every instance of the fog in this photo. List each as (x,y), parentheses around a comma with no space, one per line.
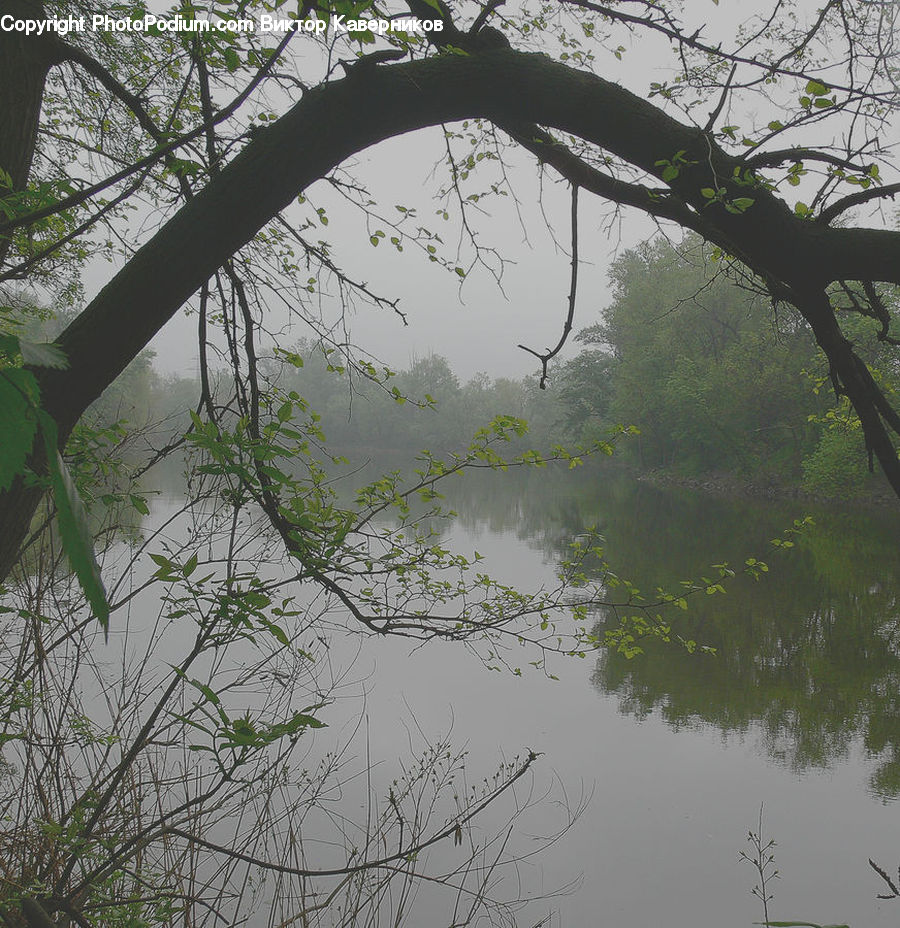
(478,323)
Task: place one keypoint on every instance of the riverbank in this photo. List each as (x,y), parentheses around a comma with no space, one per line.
(878,493)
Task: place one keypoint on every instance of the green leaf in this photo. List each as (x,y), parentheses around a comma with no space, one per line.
(140,504)
(18,395)
(232,61)
(243,732)
(277,632)
(208,692)
(9,345)
(73,525)
(43,354)
(817,89)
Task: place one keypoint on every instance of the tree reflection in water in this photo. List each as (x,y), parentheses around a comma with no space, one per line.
(809,656)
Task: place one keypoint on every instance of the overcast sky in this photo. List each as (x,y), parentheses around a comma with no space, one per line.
(477,327)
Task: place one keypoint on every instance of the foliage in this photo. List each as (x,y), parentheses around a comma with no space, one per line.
(691,357)
(20,395)
(423,406)
(803,660)
(199,726)
(837,468)
(181,158)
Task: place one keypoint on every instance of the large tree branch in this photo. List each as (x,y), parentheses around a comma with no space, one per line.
(853,378)
(159,153)
(337,120)
(857,199)
(773,159)
(657,202)
(334,121)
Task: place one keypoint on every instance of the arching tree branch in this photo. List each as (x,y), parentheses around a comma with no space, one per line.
(510,88)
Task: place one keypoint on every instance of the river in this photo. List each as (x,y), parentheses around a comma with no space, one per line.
(671,756)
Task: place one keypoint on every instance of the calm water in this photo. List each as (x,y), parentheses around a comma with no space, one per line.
(798,710)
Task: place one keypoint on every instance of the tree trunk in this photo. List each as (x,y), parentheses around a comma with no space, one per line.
(24,63)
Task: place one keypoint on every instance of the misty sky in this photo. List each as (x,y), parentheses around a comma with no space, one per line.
(477,327)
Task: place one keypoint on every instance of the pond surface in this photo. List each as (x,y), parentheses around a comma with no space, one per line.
(673,752)
(798,710)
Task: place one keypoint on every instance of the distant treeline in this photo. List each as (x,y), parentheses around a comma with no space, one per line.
(716,380)
(362,409)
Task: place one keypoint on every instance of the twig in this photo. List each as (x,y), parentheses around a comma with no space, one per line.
(484,14)
(546,357)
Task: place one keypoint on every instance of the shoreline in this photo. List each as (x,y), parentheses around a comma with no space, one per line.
(746,488)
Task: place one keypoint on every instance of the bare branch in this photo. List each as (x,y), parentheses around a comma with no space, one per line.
(404,853)
(857,199)
(547,356)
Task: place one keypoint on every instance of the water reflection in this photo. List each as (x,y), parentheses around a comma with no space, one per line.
(808,656)
(806,665)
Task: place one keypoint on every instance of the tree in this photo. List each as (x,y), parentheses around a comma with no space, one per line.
(732,199)
(698,364)
(94,123)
